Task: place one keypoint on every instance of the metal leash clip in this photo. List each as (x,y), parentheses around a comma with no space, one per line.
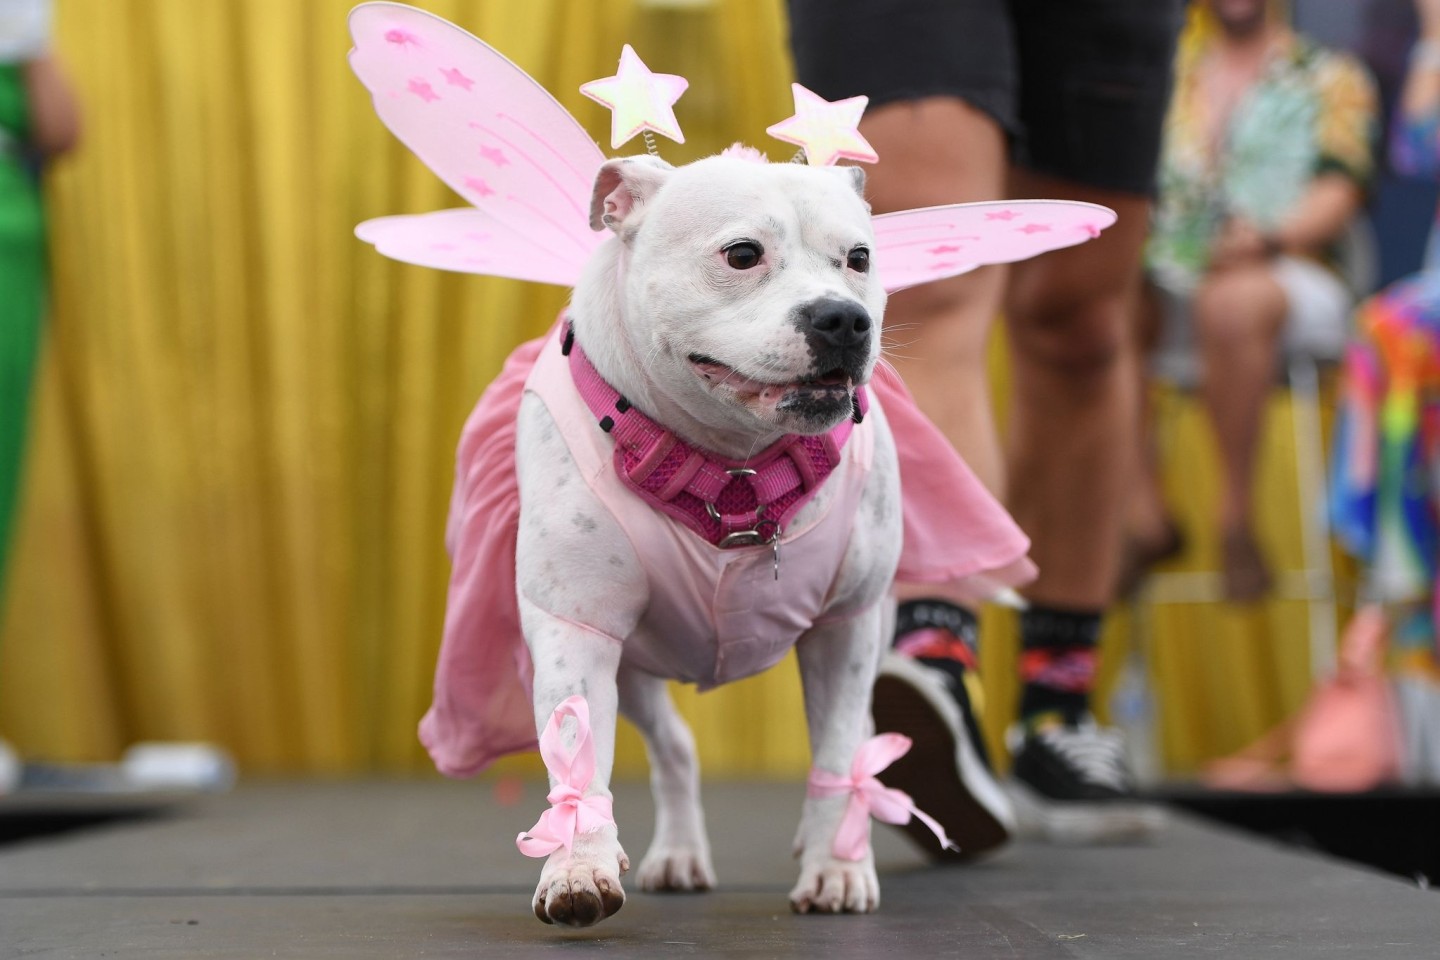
(764,531)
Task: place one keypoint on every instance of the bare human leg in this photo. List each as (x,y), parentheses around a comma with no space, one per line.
(1075,402)
(1238,315)
(1075,412)
(933,151)
(1150,531)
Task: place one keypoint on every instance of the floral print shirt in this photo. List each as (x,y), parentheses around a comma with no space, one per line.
(1312,111)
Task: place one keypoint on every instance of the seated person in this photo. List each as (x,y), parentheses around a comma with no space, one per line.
(1266,155)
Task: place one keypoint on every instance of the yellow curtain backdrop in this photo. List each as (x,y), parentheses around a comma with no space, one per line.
(243,437)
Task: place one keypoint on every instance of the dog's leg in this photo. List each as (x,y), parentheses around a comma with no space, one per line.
(838,663)
(580,587)
(679,855)
(581,886)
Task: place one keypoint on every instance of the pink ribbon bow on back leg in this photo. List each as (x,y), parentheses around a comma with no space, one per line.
(571,812)
(869,797)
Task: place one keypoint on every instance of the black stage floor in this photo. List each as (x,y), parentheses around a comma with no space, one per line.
(428,869)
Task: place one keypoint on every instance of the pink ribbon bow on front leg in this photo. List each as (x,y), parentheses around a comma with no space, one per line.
(869,797)
(571,813)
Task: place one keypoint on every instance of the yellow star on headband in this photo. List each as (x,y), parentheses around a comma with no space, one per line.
(638,99)
(826,131)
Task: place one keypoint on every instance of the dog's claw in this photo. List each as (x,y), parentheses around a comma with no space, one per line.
(611,898)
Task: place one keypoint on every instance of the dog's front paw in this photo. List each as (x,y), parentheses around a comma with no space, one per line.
(582,887)
(679,867)
(837,886)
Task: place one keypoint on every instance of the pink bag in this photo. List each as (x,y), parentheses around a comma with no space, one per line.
(1348,735)
(1344,740)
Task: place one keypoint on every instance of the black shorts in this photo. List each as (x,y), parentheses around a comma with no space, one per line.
(1080,86)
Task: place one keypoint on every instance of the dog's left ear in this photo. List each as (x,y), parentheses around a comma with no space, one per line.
(621,188)
(857,178)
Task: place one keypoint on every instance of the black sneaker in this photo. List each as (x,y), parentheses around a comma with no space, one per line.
(921,692)
(1071,785)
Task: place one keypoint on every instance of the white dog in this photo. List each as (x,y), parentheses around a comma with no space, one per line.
(734,305)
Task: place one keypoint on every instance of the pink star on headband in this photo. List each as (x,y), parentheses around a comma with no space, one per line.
(638,99)
(826,131)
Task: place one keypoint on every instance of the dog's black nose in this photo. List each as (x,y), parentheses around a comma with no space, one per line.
(839,323)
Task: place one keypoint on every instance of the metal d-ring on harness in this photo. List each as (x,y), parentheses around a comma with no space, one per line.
(764,531)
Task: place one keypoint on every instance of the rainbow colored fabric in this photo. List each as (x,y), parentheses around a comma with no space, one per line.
(1385,494)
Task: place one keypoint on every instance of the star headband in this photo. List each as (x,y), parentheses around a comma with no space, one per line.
(641,102)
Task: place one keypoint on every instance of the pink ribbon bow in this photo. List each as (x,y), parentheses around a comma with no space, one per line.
(869,797)
(571,812)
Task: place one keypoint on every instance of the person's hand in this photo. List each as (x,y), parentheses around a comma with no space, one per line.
(1239,242)
(54,111)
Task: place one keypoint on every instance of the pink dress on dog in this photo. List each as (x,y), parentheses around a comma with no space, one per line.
(958,540)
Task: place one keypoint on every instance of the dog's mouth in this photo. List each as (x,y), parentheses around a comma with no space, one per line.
(715,373)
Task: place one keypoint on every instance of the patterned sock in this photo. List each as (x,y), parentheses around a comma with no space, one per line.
(936,629)
(945,637)
(1057,664)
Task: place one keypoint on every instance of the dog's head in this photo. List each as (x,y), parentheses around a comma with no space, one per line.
(747,293)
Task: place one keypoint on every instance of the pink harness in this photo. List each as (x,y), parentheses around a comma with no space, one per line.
(729,503)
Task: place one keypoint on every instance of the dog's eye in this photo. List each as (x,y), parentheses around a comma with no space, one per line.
(859,260)
(743,255)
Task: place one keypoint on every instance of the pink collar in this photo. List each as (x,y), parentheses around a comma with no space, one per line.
(728,502)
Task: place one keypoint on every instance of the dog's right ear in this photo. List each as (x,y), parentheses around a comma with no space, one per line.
(621,188)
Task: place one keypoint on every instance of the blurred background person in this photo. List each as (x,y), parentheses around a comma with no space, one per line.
(1386,493)
(1266,159)
(984,101)
(39,120)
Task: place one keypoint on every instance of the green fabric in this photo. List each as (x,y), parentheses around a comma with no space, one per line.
(22,294)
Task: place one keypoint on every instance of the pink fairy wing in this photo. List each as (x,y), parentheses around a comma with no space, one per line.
(493,134)
(918,246)
(470,241)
